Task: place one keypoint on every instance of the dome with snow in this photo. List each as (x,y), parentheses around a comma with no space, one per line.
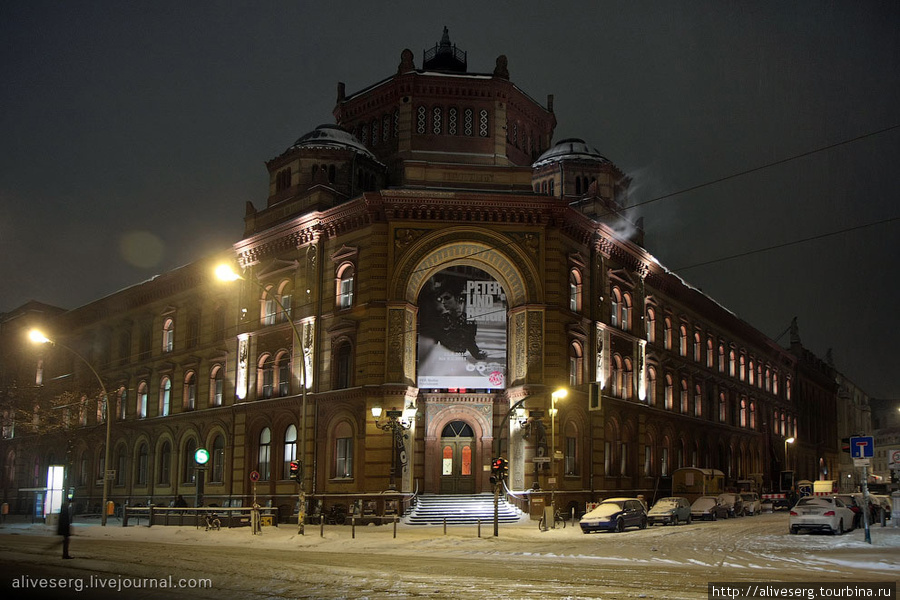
(569,149)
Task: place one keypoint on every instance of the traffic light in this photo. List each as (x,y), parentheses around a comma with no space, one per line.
(296,471)
(845,445)
(504,469)
(497,470)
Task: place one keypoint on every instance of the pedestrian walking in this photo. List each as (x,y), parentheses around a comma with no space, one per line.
(64,528)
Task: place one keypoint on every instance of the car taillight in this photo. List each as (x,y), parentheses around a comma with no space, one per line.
(829,513)
(794,513)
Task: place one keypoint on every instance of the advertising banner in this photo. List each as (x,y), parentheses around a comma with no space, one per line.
(462,331)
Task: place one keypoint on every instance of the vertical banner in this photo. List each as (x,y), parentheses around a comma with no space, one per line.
(462,331)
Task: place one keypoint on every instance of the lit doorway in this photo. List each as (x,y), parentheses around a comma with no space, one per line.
(457,459)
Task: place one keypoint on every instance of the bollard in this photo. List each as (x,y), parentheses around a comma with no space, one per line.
(479,527)
(150,517)
(321,525)
(395,526)
(445,525)
(353,528)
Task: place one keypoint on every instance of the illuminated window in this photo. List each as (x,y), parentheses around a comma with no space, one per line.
(217,386)
(651,325)
(290,450)
(574,290)
(283,369)
(723,414)
(345,276)
(683,340)
(266,374)
(576,362)
(667,333)
(190,391)
(165,396)
(685,398)
(670,393)
(142,395)
(651,386)
(698,401)
(264,454)
(168,337)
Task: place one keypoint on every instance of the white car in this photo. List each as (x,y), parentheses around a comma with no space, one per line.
(821,513)
(670,511)
(751,503)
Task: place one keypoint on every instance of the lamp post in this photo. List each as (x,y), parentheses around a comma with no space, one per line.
(787,441)
(397,422)
(558,394)
(39,338)
(226,273)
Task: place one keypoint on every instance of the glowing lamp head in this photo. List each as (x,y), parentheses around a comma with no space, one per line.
(37,337)
(225,273)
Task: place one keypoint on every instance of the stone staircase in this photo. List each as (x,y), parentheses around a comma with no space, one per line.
(460,509)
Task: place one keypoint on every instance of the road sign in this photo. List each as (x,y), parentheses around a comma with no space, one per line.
(541,459)
(862,462)
(254,476)
(895,457)
(862,447)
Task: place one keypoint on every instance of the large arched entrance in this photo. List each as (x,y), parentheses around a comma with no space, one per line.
(457,458)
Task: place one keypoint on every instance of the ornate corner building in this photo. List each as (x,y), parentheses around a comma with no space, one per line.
(435,256)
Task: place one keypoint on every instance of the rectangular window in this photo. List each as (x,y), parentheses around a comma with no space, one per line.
(623,458)
(346,298)
(647,455)
(269,312)
(343,458)
(607,458)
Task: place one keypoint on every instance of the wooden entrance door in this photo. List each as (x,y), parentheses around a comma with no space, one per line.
(457,459)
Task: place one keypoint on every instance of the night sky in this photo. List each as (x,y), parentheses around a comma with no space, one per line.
(132,135)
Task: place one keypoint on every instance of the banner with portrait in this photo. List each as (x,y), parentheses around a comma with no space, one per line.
(462,331)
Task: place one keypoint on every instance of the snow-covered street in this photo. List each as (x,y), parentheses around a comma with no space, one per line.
(660,562)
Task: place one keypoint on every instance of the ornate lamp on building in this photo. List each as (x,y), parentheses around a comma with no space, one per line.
(395,421)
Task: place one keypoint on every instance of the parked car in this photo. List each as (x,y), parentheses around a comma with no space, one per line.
(752,504)
(670,511)
(821,513)
(733,503)
(615,514)
(708,508)
(854,503)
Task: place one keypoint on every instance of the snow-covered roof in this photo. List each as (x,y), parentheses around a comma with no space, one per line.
(569,149)
(331,136)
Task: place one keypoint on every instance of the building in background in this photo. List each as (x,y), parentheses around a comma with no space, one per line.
(436,259)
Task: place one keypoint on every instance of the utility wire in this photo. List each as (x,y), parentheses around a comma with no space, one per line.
(786,244)
(765,166)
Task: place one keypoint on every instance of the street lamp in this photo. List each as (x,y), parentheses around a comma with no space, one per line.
(226,273)
(787,441)
(39,338)
(397,422)
(557,395)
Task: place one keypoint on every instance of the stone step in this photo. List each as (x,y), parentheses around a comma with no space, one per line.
(461,510)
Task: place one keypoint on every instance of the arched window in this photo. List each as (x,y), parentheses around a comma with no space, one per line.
(290,450)
(710,354)
(188,467)
(721,358)
(286,298)
(768,380)
(667,332)
(345,276)
(627,379)
(775,383)
(742,372)
(217,460)
(731,363)
(165,396)
(168,335)
(625,319)
(743,419)
(122,403)
(723,414)
(651,386)
(685,398)
(190,391)
(265,446)
(698,347)
(343,451)
(266,376)
(651,325)
(616,376)
(283,369)
(615,300)
(574,290)
(343,366)
(753,415)
(750,373)
(698,401)
(143,465)
(216,385)
(576,363)
(268,306)
(142,395)
(165,464)
(683,340)
(670,393)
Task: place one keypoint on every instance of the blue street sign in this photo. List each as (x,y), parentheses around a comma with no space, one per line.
(862,447)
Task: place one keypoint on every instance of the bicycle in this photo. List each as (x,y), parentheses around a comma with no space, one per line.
(213,522)
(558,517)
(337,515)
